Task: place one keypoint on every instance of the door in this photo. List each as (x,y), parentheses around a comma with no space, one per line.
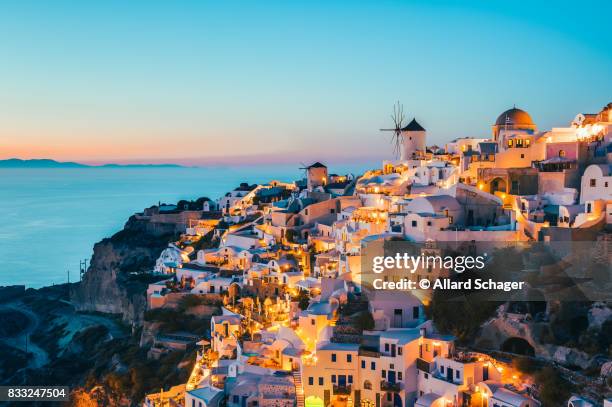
(342,381)
(397,318)
(449,374)
(391,376)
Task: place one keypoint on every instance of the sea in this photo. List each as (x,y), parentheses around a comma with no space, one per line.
(50,218)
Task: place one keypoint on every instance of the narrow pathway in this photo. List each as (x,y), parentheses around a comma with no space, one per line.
(299,388)
(22,340)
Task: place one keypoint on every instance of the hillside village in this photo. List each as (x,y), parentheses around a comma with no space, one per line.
(300,328)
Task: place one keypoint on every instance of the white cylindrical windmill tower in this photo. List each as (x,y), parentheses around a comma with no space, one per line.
(413,140)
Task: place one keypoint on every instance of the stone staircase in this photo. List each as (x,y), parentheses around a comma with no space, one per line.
(299,388)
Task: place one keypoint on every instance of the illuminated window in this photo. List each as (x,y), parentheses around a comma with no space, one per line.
(510,143)
(527,142)
(561,153)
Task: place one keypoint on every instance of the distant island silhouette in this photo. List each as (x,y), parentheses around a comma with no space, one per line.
(48,163)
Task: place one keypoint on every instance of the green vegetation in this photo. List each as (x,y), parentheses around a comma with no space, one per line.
(172,320)
(11,361)
(196,205)
(303,300)
(364,321)
(554,389)
(525,365)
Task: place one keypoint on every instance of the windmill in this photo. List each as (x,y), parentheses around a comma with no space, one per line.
(398,121)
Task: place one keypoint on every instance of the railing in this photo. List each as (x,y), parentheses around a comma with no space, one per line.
(342,390)
(390,387)
(423,365)
(369,353)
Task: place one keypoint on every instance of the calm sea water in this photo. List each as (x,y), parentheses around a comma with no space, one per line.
(51,218)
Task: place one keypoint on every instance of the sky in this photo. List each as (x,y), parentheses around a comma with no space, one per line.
(197,82)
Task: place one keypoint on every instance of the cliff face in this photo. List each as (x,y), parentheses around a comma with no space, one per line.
(113,283)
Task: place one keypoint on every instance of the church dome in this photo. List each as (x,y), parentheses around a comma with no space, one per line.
(514,116)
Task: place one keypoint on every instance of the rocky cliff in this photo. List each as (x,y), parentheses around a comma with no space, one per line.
(115,281)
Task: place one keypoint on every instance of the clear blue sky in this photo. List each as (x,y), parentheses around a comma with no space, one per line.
(286,81)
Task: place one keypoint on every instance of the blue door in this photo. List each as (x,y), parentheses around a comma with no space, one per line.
(391,376)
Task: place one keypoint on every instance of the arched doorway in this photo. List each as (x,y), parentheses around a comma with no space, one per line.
(313,401)
(519,346)
(498,184)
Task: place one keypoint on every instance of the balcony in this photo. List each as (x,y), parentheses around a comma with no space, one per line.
(342,390)
(423,365)
(390,387)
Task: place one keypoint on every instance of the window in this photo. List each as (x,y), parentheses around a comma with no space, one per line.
(350,379)
(527,142)
(428,223)
(442,369)
(306,212)
(363,364)
(389,396)
(427,375)
(384,374)
(349,358)
(333,357)
(522,155)
(399,350)
(391,366)
(320,381)
(333,378)
(386,347)
(606,184)
(399,375)
(312,321)
(193,402)
(373,366)
(561,153)
(457,374)
(236,399)
(311,381)
(414,223)
(510,143)
(593,182)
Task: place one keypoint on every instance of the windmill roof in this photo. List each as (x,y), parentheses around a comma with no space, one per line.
(317,165)
(413,126)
